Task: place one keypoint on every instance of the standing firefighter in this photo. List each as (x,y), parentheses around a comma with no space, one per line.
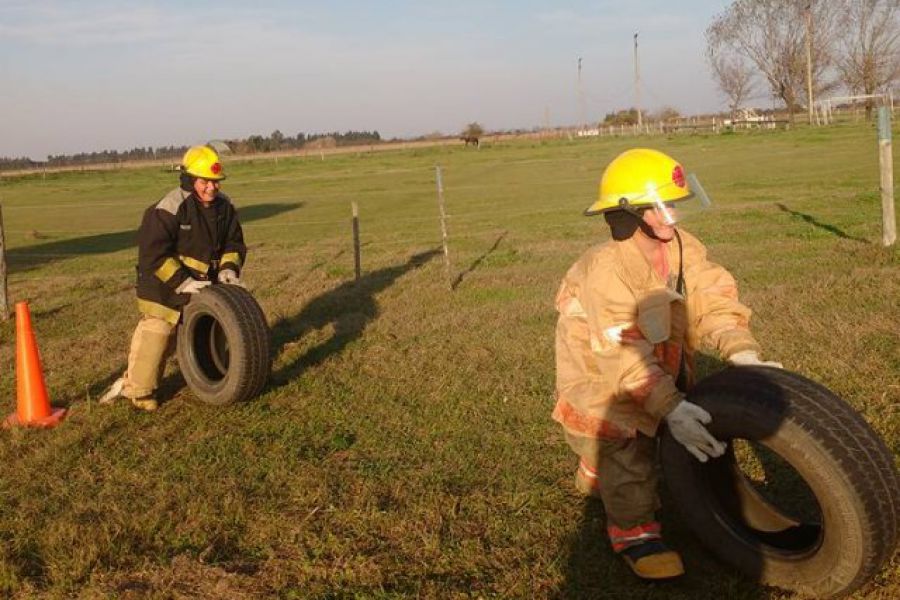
(188,240)
(631,313)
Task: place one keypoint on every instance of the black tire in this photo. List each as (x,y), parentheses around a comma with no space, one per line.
(224,345)
(848,472)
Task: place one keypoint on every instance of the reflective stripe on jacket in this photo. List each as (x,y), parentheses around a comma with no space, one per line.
(176,241)
(622,329)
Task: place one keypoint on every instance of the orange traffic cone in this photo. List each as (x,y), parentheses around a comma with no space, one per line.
(33,406)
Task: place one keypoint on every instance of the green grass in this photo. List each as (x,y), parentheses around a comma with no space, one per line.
(404,446)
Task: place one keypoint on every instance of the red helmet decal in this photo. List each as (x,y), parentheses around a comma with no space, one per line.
(678,176)
(216,168)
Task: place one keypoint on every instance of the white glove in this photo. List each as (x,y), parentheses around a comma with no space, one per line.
(229,276)
(749,358)
(191,286)
(686,424)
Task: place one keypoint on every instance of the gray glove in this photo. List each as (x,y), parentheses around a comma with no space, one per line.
(749,358)
(191,286)
(686,422)
(230,277)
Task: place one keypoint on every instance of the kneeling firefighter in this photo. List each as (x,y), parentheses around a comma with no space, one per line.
(188,240)
(632,311)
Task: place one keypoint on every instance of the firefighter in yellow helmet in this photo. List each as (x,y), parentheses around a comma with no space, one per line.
(187,241)
(632,311)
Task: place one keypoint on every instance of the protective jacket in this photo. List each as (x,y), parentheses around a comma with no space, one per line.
(623,329)
(181,238)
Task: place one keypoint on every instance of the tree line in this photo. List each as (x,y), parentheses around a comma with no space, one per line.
(278,141)
(629,116)
(251,145)
(786,45)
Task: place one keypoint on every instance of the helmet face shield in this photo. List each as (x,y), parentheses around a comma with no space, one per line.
(671,212)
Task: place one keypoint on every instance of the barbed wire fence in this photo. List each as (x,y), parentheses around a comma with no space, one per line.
(463,229)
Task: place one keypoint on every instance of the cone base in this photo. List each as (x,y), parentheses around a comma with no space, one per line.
(52,420)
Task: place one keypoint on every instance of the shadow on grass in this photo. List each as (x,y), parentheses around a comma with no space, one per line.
(31,257)
(816,223)
(477,262)
(590,560)
(349,307)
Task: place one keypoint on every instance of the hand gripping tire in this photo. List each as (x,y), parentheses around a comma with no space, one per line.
(223,345)
(843,463)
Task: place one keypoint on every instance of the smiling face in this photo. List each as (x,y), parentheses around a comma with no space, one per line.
(205,189)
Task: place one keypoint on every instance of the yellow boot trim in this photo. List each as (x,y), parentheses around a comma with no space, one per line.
(662,565)
(145,404)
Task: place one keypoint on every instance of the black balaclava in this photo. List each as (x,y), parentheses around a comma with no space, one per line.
(187,181)
(623,223)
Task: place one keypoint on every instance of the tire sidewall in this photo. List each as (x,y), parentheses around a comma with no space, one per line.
(211,392)
(835,562)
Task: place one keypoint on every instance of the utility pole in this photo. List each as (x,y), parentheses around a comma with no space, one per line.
(637,83)
(809,85)
(581,124)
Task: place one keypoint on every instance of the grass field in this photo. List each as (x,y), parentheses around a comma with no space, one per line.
(404,446)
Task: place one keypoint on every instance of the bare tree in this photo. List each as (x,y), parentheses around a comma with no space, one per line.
(734,78)
(869,59)
(772,35)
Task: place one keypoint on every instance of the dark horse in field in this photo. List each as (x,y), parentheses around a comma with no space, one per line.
(471,139)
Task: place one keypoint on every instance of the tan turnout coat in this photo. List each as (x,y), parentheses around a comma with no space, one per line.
(622,328)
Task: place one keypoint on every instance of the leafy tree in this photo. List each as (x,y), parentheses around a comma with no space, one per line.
(627,116)
(277,140)
(258,143)
(473,130)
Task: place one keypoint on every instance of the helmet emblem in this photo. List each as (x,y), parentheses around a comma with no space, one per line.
(678,176)
(216,168)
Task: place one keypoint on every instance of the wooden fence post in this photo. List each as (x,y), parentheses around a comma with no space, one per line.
(440,192)
(4,303)
(886,156)
(357,267)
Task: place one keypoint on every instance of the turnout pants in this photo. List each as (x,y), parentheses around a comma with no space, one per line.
(152,343)
(622,472)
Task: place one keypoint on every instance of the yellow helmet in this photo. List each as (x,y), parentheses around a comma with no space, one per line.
(203,162)
(640,177)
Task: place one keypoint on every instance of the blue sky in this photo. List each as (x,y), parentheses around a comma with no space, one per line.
(86,75)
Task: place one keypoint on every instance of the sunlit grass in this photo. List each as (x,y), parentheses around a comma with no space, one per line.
(404,447)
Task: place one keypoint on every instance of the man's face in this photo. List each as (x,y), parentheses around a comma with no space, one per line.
(206,189)
(661,229)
